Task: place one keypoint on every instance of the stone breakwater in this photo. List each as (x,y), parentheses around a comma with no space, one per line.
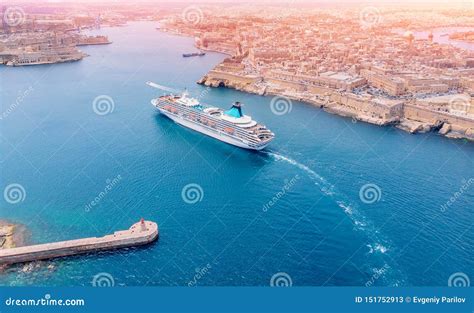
(407,115)
(140,233)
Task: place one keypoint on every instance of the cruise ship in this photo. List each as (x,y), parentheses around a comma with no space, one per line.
(230,126)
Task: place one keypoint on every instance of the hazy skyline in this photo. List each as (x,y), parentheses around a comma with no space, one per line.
(379,2)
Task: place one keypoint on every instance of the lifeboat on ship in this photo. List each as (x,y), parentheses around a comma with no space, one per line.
(229,130)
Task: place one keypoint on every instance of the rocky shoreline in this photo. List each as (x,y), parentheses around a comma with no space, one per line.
(16,235)
(405,115)
(12,235)
(216,79)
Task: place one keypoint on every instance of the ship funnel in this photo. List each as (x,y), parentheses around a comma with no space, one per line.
(235,110)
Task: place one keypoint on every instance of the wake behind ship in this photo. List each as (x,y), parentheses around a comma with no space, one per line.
(231,126)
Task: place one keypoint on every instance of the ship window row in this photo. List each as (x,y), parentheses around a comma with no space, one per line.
(220,125)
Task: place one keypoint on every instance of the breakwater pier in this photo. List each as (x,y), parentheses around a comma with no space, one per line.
(140,233)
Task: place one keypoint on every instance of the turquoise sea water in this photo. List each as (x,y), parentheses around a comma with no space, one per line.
(318,230)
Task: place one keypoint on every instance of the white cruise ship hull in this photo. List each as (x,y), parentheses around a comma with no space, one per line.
(209,132)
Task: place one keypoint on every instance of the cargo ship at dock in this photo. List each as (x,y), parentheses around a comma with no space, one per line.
(231,126)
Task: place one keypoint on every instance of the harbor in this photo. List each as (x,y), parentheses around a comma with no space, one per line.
(140,233)
(306,181)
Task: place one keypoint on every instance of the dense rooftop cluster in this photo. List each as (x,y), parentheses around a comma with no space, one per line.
(369,42)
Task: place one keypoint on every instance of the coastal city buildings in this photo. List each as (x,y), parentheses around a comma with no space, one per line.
(33,43)
(362,62)
(380,64)
(31,38)
(33,48)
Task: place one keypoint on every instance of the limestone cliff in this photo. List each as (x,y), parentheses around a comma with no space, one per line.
(375,110)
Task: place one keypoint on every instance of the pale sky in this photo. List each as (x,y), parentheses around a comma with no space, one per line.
(6,2)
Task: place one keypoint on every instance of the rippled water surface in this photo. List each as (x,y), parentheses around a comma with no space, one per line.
(294,208)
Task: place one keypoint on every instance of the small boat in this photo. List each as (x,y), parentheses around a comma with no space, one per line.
(194,54)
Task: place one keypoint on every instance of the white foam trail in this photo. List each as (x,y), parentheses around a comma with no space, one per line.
(377,247)
(327,188)
(164,88)
(360,222)
(321,182)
